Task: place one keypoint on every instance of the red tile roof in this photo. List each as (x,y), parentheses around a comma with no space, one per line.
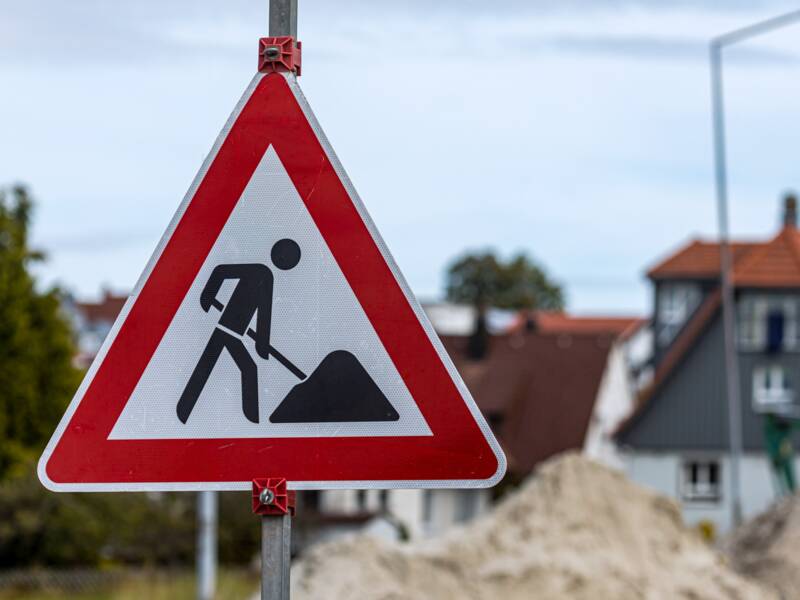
(106,310)
(543,387)
(698,260)
(774,263)
(559,322)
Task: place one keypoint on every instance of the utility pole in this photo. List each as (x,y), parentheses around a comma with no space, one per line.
(726,259)
(726,284)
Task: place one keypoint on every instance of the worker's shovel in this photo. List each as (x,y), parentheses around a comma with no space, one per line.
(339,390)
(273,352)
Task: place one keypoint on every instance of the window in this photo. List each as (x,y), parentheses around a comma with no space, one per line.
(676,302)
(775,325)
(700,481)
(768,323)
(361,500)
(772,389)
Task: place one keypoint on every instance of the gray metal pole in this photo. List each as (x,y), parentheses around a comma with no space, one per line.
(756,29)
(206,545)
(276,530)
(283,18)
(275,556)
(726,262)
(728,310)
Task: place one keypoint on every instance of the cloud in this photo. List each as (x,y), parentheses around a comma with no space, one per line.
(98,32)
(598,128)
(648,48)
(91,242)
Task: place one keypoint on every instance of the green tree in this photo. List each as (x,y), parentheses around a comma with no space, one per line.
(36,373)
(38,527)
(483,280)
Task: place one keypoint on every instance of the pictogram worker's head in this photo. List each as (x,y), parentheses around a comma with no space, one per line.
(285,254)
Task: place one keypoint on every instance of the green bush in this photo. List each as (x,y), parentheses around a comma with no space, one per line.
(41,528)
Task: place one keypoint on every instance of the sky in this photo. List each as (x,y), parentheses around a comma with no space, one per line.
(577,131)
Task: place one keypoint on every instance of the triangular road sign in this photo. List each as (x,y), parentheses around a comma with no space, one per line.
(271,335)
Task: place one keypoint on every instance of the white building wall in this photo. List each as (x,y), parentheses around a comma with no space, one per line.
(459,319)
(405,506)
(421,513)
(347,502)
(615,400)
(661,472)
(442,509)
(338,502)
(638,352)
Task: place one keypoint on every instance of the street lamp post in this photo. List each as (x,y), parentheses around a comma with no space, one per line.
(726,261)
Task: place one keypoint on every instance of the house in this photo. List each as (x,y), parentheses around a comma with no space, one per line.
(676,442)
(550,382)
(91,322)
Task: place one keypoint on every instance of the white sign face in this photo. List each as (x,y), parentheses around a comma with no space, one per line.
(314,314)
(271,335)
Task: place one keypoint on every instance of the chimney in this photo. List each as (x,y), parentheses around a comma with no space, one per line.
(790,210)
(478,342)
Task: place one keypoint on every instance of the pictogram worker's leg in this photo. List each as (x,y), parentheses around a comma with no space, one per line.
(249,371)
(201,374)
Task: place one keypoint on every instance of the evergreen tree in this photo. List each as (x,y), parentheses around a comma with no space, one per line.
(38,527)
(36,373)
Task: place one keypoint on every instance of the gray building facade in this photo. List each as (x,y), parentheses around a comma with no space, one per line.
(677,439)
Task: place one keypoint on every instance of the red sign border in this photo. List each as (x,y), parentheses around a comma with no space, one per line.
(461,452)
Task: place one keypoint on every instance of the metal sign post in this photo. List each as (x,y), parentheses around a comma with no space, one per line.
(275,504)
(206,545)
(270,497)
(283,18)
(276,531)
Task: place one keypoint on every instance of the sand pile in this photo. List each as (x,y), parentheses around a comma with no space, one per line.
(576,530)
(768,547)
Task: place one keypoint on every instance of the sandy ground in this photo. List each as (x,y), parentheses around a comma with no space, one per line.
(768,548)
(575,530)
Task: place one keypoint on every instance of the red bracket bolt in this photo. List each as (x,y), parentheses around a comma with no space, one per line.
(270,497)
(279,54)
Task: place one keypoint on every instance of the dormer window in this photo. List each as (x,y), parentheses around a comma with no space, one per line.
(676,303)
(768,323)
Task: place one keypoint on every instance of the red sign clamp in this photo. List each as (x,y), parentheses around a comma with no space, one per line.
(279,54)
(270,497)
